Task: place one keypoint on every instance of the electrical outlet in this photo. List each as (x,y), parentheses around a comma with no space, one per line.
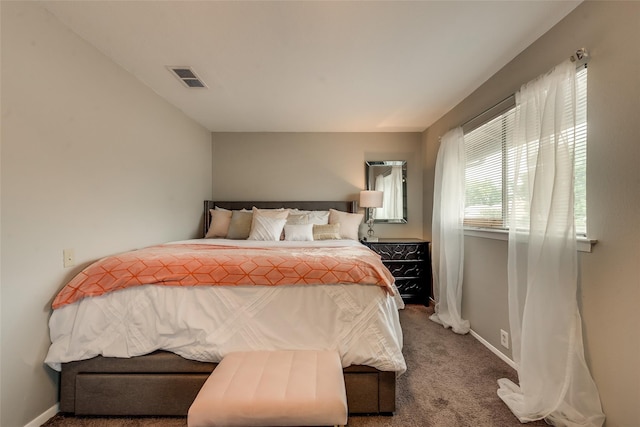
(68,258)
(504,338)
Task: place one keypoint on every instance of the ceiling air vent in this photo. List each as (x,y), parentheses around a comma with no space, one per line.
(187,76)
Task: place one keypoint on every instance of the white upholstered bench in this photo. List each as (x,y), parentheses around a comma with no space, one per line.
(272,388)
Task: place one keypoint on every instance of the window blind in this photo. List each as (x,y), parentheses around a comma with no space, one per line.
(484,172)
(486,137)
(580,165)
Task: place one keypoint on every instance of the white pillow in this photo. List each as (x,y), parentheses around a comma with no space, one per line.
(271,213)
(316,217)
(319,217)
(298,232)
(349,223)
(266,228)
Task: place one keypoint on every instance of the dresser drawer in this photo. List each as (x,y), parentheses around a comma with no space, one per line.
(412,290)
(405,251)
(406,269)
(409,262)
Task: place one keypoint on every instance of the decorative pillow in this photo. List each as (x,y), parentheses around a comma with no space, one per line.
(297,218)
(298,232)
(240,225)
(219,225)
(270,213)
(265,227)
(326,231)
(349,223)
(316,217)
(319,217)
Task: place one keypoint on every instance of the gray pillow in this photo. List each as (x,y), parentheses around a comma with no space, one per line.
(240,225)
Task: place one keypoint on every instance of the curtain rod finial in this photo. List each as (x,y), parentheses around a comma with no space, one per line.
(579,55)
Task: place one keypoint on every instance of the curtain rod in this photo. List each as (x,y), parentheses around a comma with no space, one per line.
(500,105)
(581,56)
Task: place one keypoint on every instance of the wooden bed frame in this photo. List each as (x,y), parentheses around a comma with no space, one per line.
(165,384)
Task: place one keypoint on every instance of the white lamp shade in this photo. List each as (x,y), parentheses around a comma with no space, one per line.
(371,199)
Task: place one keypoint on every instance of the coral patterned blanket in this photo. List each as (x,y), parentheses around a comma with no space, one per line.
(207,265)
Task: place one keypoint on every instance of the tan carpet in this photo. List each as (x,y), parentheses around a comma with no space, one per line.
(450,382)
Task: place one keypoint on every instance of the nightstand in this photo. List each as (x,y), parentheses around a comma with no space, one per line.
(409,261)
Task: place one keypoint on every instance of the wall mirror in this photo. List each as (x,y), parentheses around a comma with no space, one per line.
(390,177)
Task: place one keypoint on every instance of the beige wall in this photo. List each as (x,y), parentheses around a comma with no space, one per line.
(314,166)
(610,276)
(91,160)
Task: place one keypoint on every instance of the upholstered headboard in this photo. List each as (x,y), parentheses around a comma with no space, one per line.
(345,206)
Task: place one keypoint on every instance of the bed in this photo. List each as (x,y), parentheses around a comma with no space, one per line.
(147,349)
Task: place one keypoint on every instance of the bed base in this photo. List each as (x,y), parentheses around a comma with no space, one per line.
(165,384)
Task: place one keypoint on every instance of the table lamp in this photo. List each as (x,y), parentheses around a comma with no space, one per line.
(370,199)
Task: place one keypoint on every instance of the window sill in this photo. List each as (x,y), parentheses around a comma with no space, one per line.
(584,244)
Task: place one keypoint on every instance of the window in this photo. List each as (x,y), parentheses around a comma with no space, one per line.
(488,163)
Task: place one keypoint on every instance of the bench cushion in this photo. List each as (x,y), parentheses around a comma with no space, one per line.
(273,388)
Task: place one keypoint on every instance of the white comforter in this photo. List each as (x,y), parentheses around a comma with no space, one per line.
(205,323)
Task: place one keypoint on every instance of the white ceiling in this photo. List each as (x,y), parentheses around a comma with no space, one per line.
(313,66)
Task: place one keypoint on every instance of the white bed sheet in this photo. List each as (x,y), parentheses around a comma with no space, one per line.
(204,323)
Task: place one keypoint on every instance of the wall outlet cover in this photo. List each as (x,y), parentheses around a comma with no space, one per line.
(504,338)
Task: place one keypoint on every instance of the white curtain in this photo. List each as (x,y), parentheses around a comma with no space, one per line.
(554,381)
(447,246)
(391,187)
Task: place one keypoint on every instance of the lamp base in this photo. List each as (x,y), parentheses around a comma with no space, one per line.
(370,239)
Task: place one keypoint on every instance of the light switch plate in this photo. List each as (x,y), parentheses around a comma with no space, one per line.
(68,258)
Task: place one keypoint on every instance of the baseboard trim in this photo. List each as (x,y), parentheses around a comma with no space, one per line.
(494,350)
(44,417)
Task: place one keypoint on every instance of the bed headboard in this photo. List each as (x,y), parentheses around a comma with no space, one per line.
(348,206)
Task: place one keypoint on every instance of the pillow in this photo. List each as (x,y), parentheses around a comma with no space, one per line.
(316,217)
(298,232)
(349,223)
(264,227)
(319,217)
(240,225)
(219,225)
(296,218)
(271,213)
(326,231)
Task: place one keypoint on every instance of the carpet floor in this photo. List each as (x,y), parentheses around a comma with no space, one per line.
(451,381)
